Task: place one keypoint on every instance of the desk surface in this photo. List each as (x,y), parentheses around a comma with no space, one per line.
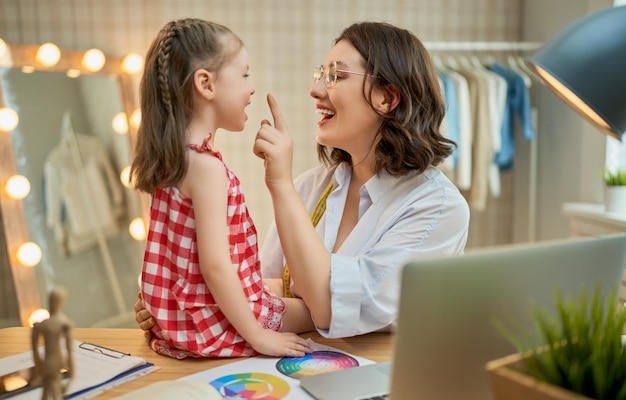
(374,346)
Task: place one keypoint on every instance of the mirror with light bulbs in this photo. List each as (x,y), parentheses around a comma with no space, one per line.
(69,218)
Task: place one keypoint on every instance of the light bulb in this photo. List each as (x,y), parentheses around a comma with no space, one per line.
(8,119)
(120,123)
(125,176)
(3,48)
(137,229)
(17,187)
(14,381)
(93,60)
(38,315)
(132,63)
(48,54)
(73,73)
(29,254)
(135,118)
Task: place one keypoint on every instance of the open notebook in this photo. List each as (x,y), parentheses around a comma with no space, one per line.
(448,305)
(97,370)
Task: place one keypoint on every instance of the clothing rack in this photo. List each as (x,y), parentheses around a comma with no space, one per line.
(504,46)
(482,46)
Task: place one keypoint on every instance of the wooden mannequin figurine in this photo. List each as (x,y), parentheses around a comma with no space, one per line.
(50,366)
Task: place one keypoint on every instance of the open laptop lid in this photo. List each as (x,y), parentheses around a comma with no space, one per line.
(448,306)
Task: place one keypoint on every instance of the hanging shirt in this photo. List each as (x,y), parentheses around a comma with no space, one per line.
(518,103)
(482,156)
(452,112)
(463,170)
(82,193)
(399,218)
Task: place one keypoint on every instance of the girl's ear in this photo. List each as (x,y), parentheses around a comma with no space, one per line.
(203,83)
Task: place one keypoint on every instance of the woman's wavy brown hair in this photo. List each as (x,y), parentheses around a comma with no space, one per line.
(180,48)
(410,138)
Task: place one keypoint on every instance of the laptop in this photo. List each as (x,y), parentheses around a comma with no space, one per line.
(449,310)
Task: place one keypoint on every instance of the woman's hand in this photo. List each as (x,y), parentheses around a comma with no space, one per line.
(274,145)
(143,317)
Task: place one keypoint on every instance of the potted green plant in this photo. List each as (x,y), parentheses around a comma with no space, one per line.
(582,357)
(615,191)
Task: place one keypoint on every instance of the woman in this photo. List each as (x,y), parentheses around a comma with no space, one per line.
(378,195)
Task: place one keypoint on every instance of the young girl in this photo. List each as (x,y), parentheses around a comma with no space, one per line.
(201,274)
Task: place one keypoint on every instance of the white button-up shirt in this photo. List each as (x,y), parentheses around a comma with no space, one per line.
(399,218)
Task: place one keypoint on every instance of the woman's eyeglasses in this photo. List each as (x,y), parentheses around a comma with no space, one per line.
(330,74)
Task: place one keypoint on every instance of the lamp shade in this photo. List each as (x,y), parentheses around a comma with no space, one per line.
(585,64)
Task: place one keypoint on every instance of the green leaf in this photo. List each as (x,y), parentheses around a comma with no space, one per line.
(579,347)
(615,178)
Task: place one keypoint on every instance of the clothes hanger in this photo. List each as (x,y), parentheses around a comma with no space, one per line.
(488,59)
(452,62)
(513,63)
(520,61)
(476,62)
(438,62)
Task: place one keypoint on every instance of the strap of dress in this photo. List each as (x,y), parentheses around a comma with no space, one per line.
(205,146)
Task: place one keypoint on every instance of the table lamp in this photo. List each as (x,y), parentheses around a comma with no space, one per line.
(585,64)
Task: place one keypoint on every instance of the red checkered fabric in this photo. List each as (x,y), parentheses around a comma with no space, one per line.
(189,322)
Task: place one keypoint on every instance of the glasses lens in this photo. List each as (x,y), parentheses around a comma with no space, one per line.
(318,73)
(331,74)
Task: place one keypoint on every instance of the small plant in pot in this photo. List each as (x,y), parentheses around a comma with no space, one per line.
(615,191)
(583,356)
(615,178)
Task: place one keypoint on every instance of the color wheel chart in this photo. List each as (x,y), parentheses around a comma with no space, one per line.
(251,385)
(314,363)
(271,378)
(266,386)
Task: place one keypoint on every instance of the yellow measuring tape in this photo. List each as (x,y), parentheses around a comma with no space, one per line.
(316,215)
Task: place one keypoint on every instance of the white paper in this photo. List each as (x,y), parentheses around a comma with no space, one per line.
(91,369)
(265,375)
(168,390)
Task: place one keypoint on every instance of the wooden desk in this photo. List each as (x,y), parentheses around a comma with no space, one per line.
(374,346)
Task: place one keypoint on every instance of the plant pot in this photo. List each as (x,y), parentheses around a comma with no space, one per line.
(615,199)
(509,381)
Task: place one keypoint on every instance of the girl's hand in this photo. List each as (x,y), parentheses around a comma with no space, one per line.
(274,145)
(280,344)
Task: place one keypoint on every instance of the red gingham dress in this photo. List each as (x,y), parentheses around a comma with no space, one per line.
(189,322)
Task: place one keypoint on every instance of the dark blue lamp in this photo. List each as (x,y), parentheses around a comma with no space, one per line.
(585,64)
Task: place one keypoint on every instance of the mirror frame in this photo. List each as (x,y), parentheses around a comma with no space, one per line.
(14,231)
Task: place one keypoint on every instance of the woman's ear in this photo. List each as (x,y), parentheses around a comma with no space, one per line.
(203,83)
(391,98)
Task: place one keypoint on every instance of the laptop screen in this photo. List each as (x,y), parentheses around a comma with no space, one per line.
(449,308)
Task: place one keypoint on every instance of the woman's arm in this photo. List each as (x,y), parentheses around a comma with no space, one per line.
(308,263)
(307,257)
